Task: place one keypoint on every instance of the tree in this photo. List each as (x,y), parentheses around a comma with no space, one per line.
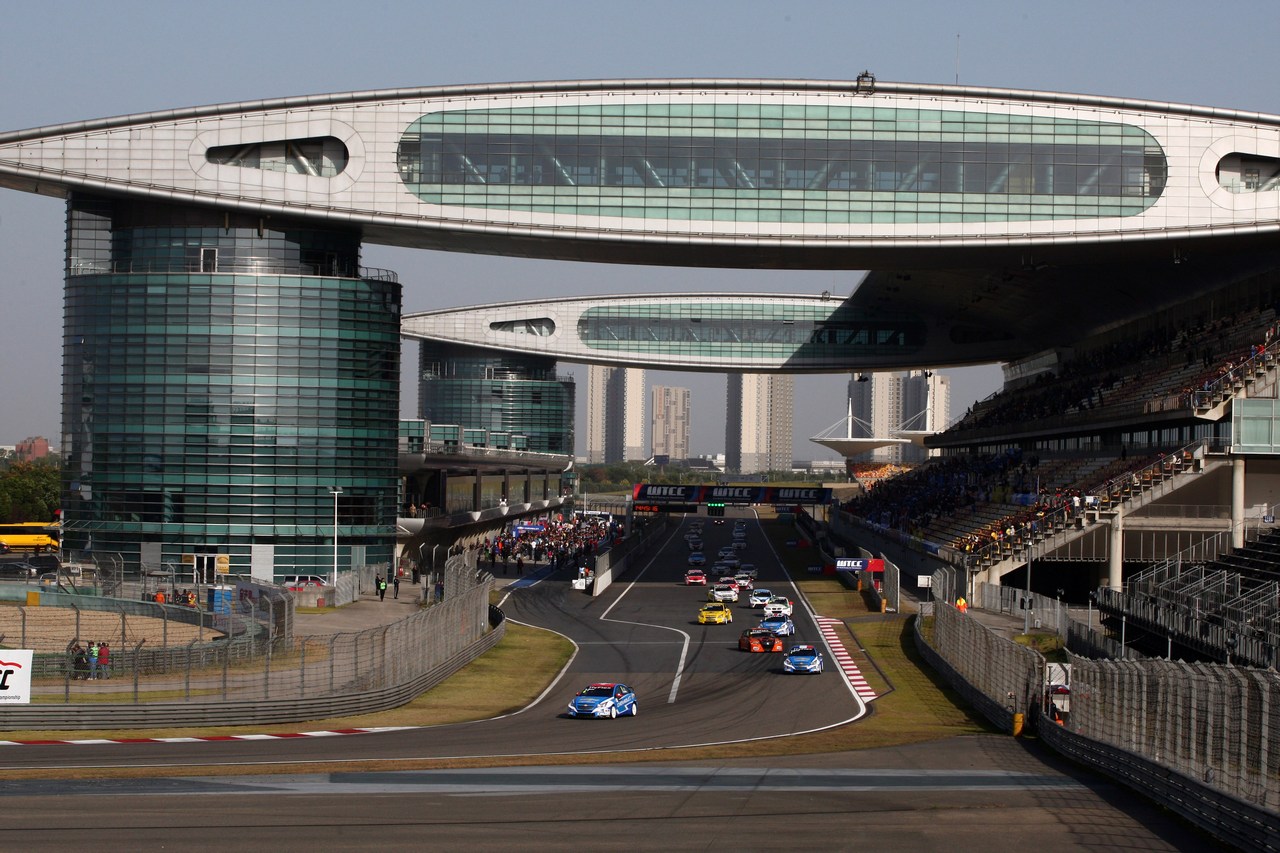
(30,491)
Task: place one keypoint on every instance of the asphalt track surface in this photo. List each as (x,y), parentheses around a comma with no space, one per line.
(694,686)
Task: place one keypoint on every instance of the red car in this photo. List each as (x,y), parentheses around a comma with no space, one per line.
(759,640)
(695,576)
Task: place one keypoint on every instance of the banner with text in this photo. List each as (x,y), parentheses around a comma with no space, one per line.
(788,495)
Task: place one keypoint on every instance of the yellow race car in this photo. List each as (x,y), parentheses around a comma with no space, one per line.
(715,614)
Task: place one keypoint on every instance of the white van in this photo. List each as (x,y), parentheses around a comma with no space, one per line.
(303,580)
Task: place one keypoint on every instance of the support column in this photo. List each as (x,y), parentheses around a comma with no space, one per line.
(476,491)
(1237,502)
(1115,561)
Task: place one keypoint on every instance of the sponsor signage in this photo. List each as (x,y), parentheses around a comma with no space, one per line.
(650,493)
(853,564)
(664,507)
(15,676)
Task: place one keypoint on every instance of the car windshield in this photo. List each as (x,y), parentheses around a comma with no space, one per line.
(802,653)
(597,691)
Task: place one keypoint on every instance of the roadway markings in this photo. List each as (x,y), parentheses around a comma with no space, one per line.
(209,739)
(850,669)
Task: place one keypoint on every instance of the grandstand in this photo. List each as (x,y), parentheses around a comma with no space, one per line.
(1123,470)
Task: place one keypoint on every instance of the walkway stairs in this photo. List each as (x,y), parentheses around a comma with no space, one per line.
(1255,378)
(1154,483)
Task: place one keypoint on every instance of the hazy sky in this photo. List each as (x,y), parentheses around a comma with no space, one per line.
(64,61)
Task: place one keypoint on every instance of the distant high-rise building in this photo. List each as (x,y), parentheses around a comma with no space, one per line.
(615,414)
(759,422)
(670,412)
(886,405)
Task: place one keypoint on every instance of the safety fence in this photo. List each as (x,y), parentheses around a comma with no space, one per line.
(273,678)
(1198,738)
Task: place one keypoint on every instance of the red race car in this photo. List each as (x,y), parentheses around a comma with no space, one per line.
(695,576)
(759,640)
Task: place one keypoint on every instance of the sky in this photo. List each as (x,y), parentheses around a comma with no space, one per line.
(67,61)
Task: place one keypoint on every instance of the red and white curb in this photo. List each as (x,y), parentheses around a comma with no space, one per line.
(850,669)
(209,739)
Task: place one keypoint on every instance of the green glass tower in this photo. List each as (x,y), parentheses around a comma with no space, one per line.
(222,371)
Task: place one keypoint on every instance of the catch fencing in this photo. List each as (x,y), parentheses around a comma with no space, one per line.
(265,676)
(1199,738)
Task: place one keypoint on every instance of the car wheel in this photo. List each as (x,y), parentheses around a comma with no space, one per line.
(635,709)
(613,712)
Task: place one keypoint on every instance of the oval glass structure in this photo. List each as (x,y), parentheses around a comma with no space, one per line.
(777,163)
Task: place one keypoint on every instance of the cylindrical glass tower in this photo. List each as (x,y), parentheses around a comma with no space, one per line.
(221,372)
(498,392)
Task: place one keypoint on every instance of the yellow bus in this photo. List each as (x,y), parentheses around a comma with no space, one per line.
(34,536)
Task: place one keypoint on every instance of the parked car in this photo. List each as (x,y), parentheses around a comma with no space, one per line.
(21,571)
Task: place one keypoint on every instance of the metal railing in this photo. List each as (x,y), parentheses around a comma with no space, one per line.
(257,675)
(1197,738)
(225,264)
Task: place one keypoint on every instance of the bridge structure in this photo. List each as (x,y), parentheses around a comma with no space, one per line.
(228,362)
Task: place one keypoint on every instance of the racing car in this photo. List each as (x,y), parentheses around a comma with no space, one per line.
(722,592)
(760,597)
(604,700)
(695,577)
(778,605)
(759,640)
(715,613)
(697,558)
(803,659)
(780,625)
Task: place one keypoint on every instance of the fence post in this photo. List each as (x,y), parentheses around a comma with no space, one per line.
(123,624)
(186,684)
(23,610)
(266,669)
(67,664)
(137,656)
(333,639)
(77,610)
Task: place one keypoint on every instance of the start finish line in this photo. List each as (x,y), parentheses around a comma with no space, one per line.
(649,493)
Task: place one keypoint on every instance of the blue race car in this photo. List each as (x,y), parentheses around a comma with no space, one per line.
(803,659)
(604,700)
(780,625)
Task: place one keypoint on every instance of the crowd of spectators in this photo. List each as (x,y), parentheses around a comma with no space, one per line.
(558,542)
(1193,355)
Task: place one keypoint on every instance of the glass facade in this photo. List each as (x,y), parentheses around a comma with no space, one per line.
(221,373)
(779,163)
(739,329)
(498,392)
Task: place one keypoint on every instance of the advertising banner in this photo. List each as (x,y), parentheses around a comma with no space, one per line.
(15,676)
(787,495)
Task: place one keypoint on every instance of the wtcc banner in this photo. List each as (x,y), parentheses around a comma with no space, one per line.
(15,676)
(788,495)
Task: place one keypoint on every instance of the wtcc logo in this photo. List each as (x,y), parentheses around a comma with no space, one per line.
(15,677)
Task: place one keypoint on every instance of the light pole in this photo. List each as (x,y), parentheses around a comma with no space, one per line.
(335,491)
